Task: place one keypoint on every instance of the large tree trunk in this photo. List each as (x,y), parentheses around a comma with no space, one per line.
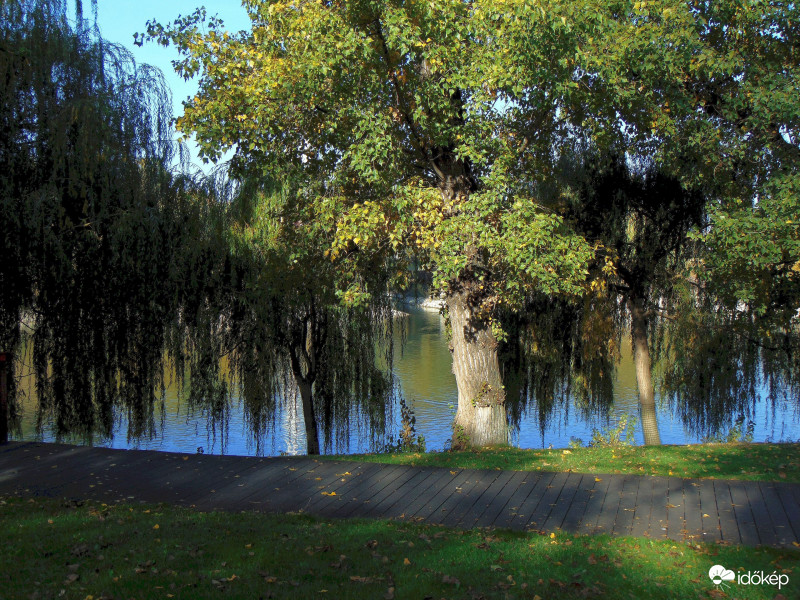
(481,416)
(644,373)
(309,418)
(303,357)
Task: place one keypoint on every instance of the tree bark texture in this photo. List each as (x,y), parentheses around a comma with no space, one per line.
(303,355)
(644,372)
(309,418)
(481,416)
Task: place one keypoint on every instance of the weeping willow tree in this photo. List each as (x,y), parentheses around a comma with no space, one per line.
(91,217)
(293,335)
(642,218)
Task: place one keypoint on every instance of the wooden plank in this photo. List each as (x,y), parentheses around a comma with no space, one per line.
(727,518)
(676,525)
(574,515)
(432,504)
(386,501)
(608,513)
(563,503)
(57,470)
(790,505)
(235,482)
(187,483)
(413,489)
(485,500)
(298,493)
(533,512)
(445,479)
(534,484)
(502,501)
(744,516)
(456,496)
(781,524)
(260,489)
(692,510)
(341,490)
(469,498)
(76,476)
(124,482)
(345,489)
(380,481)
(627,505)
(32,457)
(335,504)
(712,530)
(377,502)
(767,534)
(658,509)
(640,524)
(257,488)
(594,506)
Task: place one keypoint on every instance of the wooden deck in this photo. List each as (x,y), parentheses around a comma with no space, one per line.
(734,512)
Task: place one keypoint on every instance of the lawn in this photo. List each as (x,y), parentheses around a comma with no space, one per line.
(758,462)
(92,551)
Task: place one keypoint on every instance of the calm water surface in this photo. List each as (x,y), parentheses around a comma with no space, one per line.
(423,370)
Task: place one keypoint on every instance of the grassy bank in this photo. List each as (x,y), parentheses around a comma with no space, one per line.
(759,462)
(96,551)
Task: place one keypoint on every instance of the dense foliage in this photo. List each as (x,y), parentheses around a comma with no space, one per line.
(89,216)
(436,126)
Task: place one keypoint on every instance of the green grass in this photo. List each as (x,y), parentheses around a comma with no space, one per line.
(757,462)
(57,550)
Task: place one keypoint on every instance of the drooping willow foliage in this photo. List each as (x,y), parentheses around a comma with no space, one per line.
(565,354)
(114,267)
(288,318)
(715,361)
(87,206)
(712,358)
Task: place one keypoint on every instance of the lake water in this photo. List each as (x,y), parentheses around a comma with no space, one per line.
(423,371)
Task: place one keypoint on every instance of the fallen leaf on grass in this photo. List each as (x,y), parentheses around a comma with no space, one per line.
(359,579)
(453,580)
